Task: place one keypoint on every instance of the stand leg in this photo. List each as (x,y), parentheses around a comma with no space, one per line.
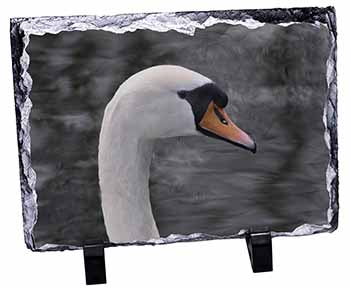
(94,260)
(259,245)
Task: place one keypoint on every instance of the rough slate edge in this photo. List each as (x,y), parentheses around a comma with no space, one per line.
(126,22)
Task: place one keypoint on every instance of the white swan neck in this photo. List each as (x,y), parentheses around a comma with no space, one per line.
(145,107)
(124,175)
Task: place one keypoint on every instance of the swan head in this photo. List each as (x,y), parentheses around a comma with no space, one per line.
(168,101)
(208,102)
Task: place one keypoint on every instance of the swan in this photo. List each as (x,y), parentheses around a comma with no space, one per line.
(158,102)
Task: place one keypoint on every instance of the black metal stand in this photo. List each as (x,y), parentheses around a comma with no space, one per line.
(94,260)
(259,243)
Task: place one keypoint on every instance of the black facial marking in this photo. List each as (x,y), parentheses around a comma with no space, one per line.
(220,116)
(200,97)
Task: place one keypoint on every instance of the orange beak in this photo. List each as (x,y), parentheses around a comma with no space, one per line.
(216,121)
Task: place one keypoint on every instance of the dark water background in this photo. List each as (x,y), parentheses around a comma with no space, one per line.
(276,80)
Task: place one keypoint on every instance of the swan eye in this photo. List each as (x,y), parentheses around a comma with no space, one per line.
(220,116)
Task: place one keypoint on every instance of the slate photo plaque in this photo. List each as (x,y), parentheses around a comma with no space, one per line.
(166,127)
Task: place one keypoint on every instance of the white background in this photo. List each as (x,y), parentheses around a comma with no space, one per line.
(318,261)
